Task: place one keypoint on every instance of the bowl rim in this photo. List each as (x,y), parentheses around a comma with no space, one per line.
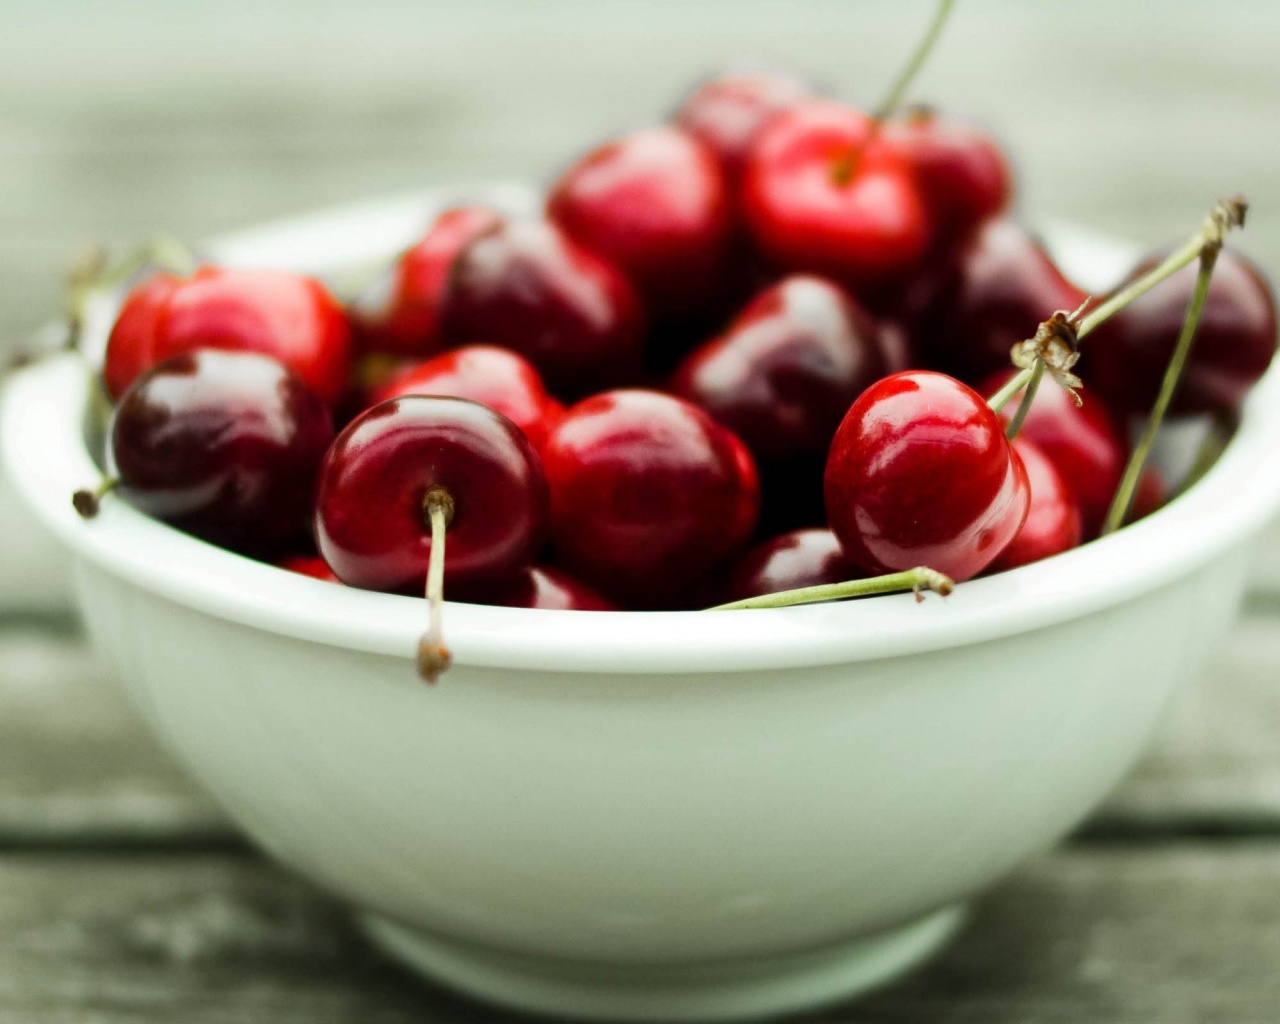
(43,445)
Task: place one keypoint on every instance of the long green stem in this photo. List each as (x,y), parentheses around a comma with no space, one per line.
(899,88)
(918,580)
(1168,387)
(433,655)
(1028,396)
(1015,384)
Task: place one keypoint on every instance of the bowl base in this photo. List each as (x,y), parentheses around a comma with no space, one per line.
(722,991)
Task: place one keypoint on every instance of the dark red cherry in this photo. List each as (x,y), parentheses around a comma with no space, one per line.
(223,445)
(798,558)
(543,586)
(727,112)
(655,204)
(309,565)
(287,316)
(495,377)
(920,473)
(400,314)
(1083,441)
(1125,358)
(961,171)
(822,192)
(648,495)
(1053,523)
(992,294)
(370,520)
(527,286)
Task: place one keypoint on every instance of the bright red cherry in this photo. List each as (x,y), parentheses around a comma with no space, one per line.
(371,522)
(401,313)
(648,495)
(727,112)
(823,192)
(527,286)
(309,565)
(543,586)
(799,558)
(655,204)
(223,445)
(920,473)
(1053,522)
(1083,441)
(1125,358)
(287,316)
(961,172)
(495,377)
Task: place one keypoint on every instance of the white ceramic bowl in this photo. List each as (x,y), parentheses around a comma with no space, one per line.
(651,815)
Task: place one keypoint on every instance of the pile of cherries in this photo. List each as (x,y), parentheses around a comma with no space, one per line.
(743,351)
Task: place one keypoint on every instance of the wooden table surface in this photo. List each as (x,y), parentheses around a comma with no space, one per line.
(124,894)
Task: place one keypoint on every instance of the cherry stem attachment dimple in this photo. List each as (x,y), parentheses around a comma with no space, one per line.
(893,98)
(433,655)
(1168,387)
(917,580)
(88,502)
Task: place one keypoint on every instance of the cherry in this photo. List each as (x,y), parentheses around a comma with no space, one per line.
(1150,493)
(727,112)
(799,558)
(309,565)
(1125,357)
(542,586)
(400,314)
(525,285)
(823,192)
(1053,522)
(1083,441)
(962,174)
(920,473)
(491,376)
(648,495)
(287,316)
(223,445)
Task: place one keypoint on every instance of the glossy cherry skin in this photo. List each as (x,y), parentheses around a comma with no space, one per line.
(1084,442)
(1053,522)
(825,194)
(529,287)
(992,294)
(309,565)
(961,172)
(798,558)
(495,377)
(401,313)
(370,525)
(655,204)
(1234,343)
(727,112)
(648,495)
(223,445)
(920,473)
(543,586)
(287,316)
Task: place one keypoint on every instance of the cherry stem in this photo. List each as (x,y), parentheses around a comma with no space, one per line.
(1168,387)
(893,98)
(1028,396)
(93,271)
(1015,384)
(917,580)
(433,655)
(88,502)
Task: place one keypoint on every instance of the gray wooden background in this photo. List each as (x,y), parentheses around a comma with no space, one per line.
(124,895)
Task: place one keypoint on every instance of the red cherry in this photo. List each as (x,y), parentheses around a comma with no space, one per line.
(1125,358)
(527,286)
(309,565)
(223,445)
(799,558)
(542,586)
(1053,523)
(491,376)
(401,314)
(287,316)
(370,524)
(727,112)
(1083,441)
(920,473)
(823,192)
(655,204)
(648,495)
(961,172)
